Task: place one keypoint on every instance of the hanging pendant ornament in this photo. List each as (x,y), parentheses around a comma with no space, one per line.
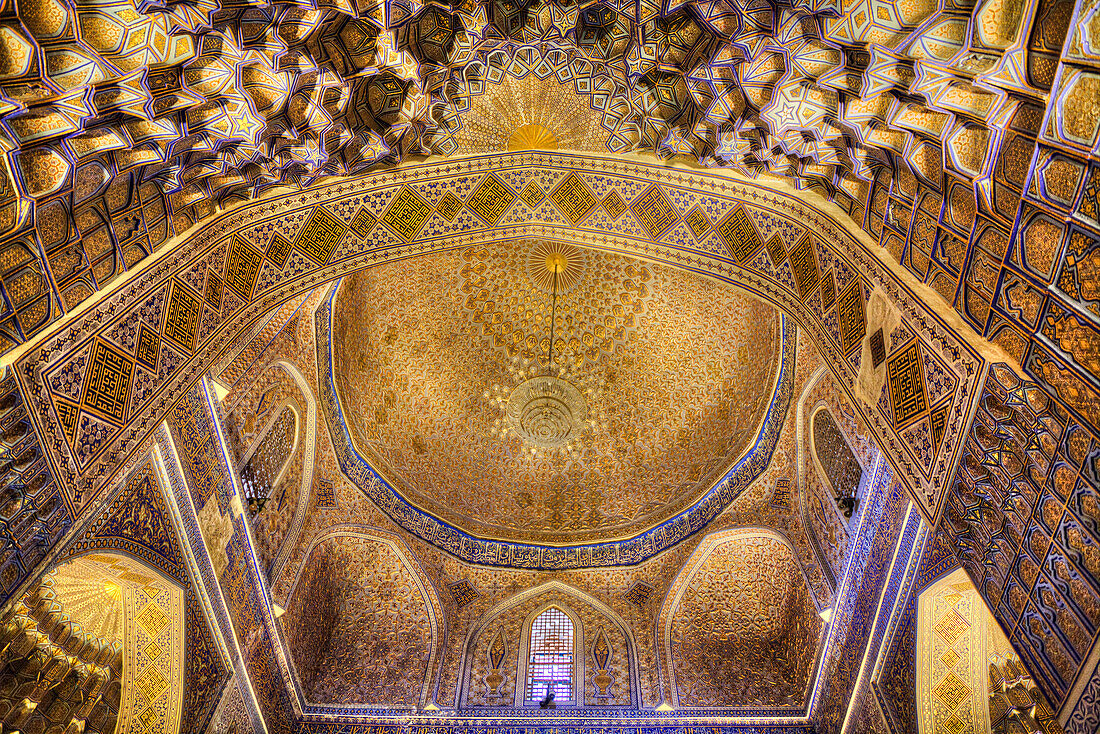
(547,411)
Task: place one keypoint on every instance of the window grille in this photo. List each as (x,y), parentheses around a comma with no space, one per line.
(550,664)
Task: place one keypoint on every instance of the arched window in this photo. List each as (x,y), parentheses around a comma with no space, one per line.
(835,457)
(550,662)
(263,468)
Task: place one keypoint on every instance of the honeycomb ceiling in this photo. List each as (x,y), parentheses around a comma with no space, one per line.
(215,102)
(125,122)
(676,372)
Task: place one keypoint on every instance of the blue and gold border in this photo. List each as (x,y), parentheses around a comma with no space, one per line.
(508,554)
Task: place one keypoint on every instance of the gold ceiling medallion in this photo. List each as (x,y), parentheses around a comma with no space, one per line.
(532,136)
(550,260)
(546,412)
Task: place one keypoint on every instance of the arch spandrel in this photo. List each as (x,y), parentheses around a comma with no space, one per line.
(927,378)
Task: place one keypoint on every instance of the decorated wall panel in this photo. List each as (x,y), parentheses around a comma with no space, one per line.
(739,625)
(258,407)
(502,636)
(153,673)
(888,526)
(310,621)
(895,681)
(946,664)
(968,676)
(362,625)
(865,712)
(955,647)
(195,438)
(231,714)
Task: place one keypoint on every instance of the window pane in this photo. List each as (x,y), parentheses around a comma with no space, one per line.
(550,667)
(840,465)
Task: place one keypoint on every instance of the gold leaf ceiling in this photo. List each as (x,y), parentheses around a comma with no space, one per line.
(682,367)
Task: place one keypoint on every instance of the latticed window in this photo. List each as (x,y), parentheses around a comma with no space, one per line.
(837,459)
(550,665)
(259,473)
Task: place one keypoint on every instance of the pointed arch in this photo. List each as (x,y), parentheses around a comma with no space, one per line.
(273,424)
(799,630)
(612,621)
(309,447)
(311,578)
(826,526)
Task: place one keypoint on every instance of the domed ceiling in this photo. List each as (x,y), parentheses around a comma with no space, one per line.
(661,379)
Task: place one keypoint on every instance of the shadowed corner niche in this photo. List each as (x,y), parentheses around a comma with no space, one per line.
(655,383)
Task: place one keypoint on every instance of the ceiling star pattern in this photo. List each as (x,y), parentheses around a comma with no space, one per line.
(684,370)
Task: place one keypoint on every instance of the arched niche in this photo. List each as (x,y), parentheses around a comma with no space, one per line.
(968,677)
(738,626)
(273,430)
(363,625)
(838,475)
(263,468)
(528,695)
(830,433)
(833,456)
(509,625)
(97,644)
